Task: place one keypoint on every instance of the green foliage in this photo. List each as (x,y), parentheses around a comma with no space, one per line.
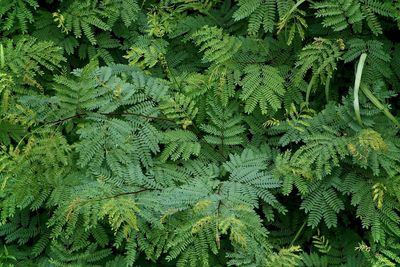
(27,58)
(146,52)
(17,14)
(378,216)
(10,132)
(321,58)
(321,243)
(82,17)
(199,133)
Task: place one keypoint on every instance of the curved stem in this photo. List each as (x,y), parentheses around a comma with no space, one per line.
(357,83)
(309,87)
(327,87)
(117,195)
(2,60)
(79,115)
(368,94)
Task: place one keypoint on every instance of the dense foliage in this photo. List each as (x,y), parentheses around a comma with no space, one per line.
(199,133)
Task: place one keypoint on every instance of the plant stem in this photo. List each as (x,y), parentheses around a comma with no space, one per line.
(298,233)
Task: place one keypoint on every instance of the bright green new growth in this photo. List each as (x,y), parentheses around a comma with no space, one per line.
(199,133)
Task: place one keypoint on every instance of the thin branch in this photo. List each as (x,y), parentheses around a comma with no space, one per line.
(65,119)
(116,195)
(127,193)
(110,114)
(136,114)
(253,62)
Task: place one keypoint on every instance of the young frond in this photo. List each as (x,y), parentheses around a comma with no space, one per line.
(121,212)
(286,257)
(370,150)
(146,52)
(292,174)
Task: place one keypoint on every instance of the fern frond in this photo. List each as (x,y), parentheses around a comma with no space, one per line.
(81,18)
(372,8)
(217,46)
(180,108)
(180,144)
(146,52)
(263,86)
(339,15)
(10,131)
(223,128)
(323,201)
(321,58)
(382,221)
(259,12)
